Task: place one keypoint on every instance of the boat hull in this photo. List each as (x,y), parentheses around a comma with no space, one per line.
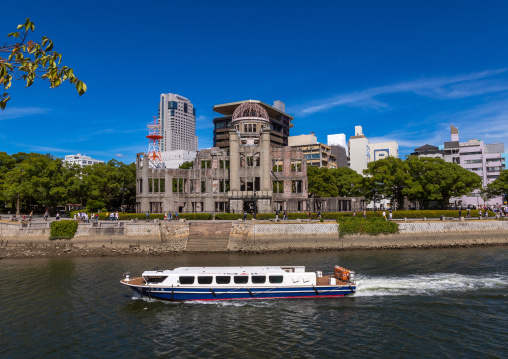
(242,293)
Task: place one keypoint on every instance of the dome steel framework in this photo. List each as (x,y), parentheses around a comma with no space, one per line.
(250,111)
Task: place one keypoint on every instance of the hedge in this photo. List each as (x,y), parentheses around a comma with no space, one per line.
(141,216)
(231,216)
(435,214)
(372,226)
(63,229)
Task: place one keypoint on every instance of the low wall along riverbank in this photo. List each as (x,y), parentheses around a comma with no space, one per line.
(238,236)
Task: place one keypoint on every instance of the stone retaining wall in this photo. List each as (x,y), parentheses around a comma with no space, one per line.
(253,236)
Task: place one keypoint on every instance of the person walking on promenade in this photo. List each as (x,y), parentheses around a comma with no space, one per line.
(319,214)
(390,215)
(31,216)
(176,216)
(46,214)
(480,213)
(308,214)
(147,215)
(57,215)
(364,213)
(285,217)
(277,215)
(468,213)
(244,215)
(116,216)
(384,215)
(354,213)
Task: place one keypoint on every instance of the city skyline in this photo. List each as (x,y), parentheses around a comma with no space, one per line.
(404,72)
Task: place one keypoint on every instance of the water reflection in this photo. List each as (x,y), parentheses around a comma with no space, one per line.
(408,303)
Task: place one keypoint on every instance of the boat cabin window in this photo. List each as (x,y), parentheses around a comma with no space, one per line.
(187,280)
(223,279)
(276,279)
(156,279)
(205,279)
(241,279)
(258,279)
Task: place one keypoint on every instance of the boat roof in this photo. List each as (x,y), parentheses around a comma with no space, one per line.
(226,270)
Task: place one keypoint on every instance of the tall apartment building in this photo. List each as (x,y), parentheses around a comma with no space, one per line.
(317,154)
(177,123)
(338,146)
(362,151)
(486,160)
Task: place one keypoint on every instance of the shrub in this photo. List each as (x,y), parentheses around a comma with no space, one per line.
(63,229)
(196,216)
(230,216)
(434,213)
(372,226)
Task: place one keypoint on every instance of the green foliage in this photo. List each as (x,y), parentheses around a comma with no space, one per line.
(433,179)
(196,216)
(63,229)
(186,165)
(435,214)
(326,182)
(498,187)
(28,60)
(94,205)
(371,226)
(47,181)
(230,216)
(324,215)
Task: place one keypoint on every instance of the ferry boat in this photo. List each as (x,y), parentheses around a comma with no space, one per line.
(231,283)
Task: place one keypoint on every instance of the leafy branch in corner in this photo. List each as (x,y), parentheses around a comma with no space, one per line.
(27,60)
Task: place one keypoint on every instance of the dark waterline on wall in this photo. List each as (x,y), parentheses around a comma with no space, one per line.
(433,303)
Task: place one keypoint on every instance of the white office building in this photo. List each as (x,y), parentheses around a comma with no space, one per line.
(173,159)
(177,123)
(81,160)
(338,139)
(362,151)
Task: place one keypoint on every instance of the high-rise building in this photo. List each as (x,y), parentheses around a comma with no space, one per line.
(362,151)
(177,123)
(338,146)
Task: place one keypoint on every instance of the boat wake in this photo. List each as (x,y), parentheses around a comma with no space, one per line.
(427,284)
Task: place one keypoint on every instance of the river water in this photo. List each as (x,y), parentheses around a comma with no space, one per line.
(410,303)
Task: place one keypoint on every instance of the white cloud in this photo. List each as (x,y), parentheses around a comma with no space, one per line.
(16,112)
(455,87)
(119,155)
(203,122)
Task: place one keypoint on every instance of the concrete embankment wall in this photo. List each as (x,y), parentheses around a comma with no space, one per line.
(259,237)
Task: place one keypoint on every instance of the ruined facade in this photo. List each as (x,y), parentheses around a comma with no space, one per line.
(250,175)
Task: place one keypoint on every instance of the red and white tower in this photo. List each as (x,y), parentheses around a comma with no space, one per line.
(153,144)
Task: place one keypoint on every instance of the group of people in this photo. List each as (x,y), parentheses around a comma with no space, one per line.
(167,216)
(85,217)
(277,212)
(484,211)
(113,216)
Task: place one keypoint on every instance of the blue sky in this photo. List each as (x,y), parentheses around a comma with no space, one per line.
(403,70)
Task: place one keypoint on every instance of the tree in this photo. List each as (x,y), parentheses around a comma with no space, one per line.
(349,182)
(28,60)
(499,186)
(433,179)
(186,165)
(321,182)
(388,178)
